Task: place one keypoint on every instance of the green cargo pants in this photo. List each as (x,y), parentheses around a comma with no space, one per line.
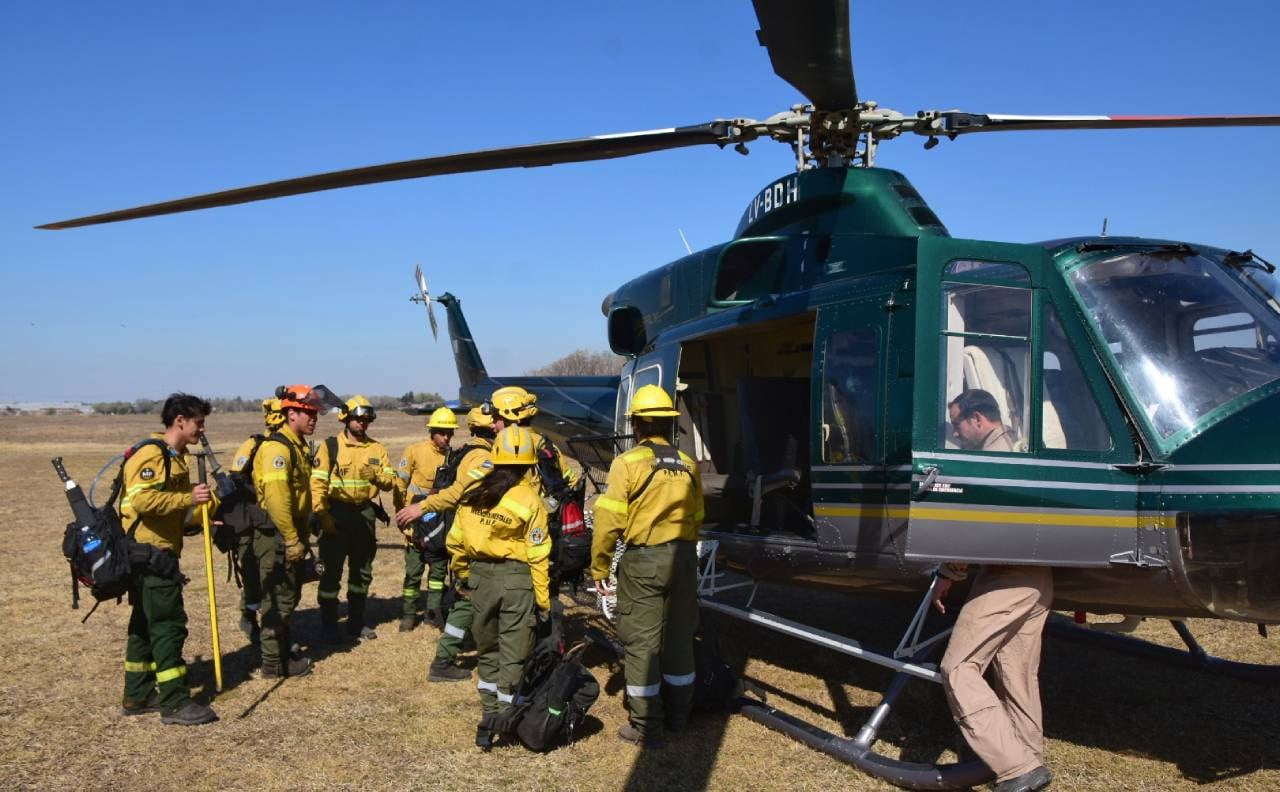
(415,564)
(354,543)
(250,579)
(657,617)
(153,651)
(503,626)
(281,587)
(449,645)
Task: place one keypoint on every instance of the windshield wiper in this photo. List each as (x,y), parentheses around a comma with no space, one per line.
(1248,259)
(1178,249)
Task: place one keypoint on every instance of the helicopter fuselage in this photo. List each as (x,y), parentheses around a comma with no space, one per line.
(816,354)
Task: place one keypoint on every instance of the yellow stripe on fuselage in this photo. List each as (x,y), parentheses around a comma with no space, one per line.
(1012,516)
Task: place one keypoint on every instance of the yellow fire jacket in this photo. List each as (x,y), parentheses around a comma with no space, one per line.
(514,530)
(669,507)
(283,483)
(474,466)
(163,503)
(350,480)
(417,471)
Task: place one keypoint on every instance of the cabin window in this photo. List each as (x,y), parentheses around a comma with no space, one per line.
(1070,418)
(986,357)
(749,270)
(849,378)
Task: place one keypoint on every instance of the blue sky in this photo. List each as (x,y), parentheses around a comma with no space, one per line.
(109,105)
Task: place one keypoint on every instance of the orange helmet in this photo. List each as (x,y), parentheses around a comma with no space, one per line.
(299,397)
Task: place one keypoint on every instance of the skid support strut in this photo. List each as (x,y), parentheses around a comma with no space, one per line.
(907,660)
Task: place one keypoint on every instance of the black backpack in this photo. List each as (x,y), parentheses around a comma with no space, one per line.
(553,694)
(429,533)
(101,554)
(558,704)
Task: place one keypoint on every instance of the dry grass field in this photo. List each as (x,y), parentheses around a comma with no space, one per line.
(367,719)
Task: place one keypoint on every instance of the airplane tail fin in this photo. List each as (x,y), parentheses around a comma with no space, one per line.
(466,356)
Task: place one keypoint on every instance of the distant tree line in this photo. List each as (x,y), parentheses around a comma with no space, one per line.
(581,363)
(239,404)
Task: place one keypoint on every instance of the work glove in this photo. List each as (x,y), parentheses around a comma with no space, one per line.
(294,551)
(325,524)
(370,472)
(461,587)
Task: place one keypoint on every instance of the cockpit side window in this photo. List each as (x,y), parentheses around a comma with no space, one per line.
(986,357)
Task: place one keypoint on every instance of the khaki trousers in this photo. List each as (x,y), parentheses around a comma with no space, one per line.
(1000,626)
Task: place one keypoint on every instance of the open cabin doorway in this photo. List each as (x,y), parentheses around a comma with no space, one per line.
(745,398)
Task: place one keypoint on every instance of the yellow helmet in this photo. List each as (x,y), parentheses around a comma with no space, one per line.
(651,401)
(357,407)
(512,402)
(272,413)
(513,446)
(442,418)
(481,417)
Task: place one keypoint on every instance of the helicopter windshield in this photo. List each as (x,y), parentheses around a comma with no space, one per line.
(1184,334)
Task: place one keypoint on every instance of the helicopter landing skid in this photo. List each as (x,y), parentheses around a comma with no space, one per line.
(1194,656)
(907,660)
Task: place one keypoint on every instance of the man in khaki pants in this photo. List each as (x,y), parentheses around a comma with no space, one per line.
(999,626)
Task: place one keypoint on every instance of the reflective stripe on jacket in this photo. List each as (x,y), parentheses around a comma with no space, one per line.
(283,483)
(514,530)
(669,507)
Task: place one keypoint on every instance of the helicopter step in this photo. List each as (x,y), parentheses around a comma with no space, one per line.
(908,660)
(1194,656)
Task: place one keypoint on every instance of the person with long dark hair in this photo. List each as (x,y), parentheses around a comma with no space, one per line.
(500,552)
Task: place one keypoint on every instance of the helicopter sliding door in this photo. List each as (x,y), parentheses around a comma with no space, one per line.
(1013,448)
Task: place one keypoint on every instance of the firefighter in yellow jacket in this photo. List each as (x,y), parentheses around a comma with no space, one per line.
(348,473)
(653,501)
(417,479)
(500,551)
(159,500)
(282,481)
(248,521)
(515,406)
(474,465)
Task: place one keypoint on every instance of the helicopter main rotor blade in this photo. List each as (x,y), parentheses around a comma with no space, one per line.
(808,43)
(528,156)
(956,123)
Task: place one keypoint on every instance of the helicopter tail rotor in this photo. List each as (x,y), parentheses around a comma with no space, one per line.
(424,296)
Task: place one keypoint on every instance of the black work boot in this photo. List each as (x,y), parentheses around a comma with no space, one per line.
(630,734)
(189,714)
(249,626)
(356,627)
(434,617)
(408,622)
(150,704)
(484,734)
(293,667)
(445,671)
(1038,778)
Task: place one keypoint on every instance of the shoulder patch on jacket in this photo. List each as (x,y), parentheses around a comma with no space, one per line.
(537,536)
(146,474)
(240,460)
(278,463)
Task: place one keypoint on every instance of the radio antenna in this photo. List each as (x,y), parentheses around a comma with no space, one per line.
(685,241)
